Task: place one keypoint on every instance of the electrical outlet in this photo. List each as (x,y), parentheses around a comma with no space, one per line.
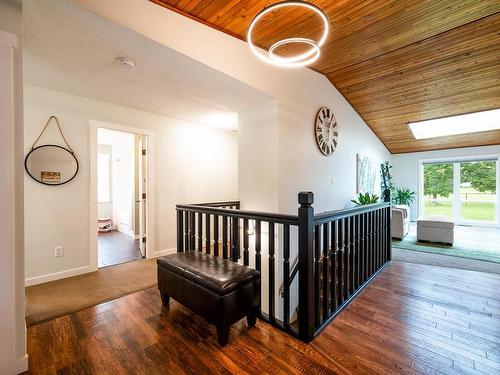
(59,251)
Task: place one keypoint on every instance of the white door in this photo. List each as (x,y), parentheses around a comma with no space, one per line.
(142,165)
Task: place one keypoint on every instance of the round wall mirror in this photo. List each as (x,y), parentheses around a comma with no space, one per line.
(51,165)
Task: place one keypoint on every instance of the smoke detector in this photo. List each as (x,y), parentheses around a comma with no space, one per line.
(124,62)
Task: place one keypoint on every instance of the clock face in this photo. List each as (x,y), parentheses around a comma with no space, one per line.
(326,131)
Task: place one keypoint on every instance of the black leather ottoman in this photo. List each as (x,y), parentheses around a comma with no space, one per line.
(219,290)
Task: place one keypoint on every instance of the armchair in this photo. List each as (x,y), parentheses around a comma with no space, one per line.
(400,224)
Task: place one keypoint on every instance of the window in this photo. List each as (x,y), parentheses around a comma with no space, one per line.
(465,190)
(103,178)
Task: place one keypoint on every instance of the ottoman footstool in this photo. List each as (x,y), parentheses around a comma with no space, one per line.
(219,290)
(436,228)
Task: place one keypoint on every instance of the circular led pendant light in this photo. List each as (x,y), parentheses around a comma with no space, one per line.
(303,59)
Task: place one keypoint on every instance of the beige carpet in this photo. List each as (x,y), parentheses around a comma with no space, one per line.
(51,300)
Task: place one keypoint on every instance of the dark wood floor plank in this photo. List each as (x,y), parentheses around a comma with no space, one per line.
(412,319)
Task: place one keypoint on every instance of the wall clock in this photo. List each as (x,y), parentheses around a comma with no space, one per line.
(326,131)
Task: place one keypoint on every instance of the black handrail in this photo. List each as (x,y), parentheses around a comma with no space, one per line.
(243,214)
(341,214)
(220,204)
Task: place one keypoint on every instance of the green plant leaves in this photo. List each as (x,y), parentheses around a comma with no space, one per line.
(365,198)
(403,196)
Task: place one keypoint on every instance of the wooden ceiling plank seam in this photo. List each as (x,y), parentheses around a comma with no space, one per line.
(490,97)
(334,68)
(446,63)
(466,57)
(161,3)
(478,37)
(406,85)
(430,96)
(204,4)
(216,15)
(371,37)
(242,13)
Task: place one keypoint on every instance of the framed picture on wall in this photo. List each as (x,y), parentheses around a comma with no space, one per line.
(366,175)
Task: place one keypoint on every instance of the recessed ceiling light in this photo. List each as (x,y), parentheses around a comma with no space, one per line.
(125,62)
(454,125)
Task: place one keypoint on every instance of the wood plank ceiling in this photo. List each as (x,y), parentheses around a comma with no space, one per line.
(395,61)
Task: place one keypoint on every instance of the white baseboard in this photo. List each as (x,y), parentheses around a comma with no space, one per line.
(161,253)
(21,365)
(58,275)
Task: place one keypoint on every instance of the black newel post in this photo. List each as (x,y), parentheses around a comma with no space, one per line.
(306,264)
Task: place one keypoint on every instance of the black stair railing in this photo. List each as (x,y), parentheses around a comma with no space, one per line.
(337,254)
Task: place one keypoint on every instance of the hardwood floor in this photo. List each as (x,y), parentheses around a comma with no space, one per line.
(412,319)
(115,247)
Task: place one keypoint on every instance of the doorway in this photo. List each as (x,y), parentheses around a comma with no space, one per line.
(463,190)
(120,179)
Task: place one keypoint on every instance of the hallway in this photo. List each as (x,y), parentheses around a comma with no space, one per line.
(116,247)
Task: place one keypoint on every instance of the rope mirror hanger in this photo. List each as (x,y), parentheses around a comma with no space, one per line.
(60,132)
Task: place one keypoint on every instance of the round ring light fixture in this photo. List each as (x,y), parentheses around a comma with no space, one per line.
(303,59)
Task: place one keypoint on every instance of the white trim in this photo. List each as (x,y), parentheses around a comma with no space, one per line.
(459,158)
(161,253)
(21,365)
(420,191)
(497,214)
(58,275)
(457,204)
(8,39)
(93,125)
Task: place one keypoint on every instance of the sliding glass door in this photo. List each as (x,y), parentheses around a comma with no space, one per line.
(438,189)
(465,191)
(478,191)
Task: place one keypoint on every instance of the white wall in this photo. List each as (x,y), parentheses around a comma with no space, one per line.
(258,158)
(405,167)
(193,164)
(298,94)
(13,357)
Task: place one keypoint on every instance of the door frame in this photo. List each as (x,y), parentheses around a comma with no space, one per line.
(94,125)
(453,160)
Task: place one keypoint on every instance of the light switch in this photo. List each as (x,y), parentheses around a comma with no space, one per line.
(59,251)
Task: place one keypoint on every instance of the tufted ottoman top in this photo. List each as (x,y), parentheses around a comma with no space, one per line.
(222,276)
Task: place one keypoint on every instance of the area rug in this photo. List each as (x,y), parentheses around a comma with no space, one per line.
(51,300)
(480,252)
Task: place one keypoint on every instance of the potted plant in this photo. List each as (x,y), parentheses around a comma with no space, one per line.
(403,196)
(365,198)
